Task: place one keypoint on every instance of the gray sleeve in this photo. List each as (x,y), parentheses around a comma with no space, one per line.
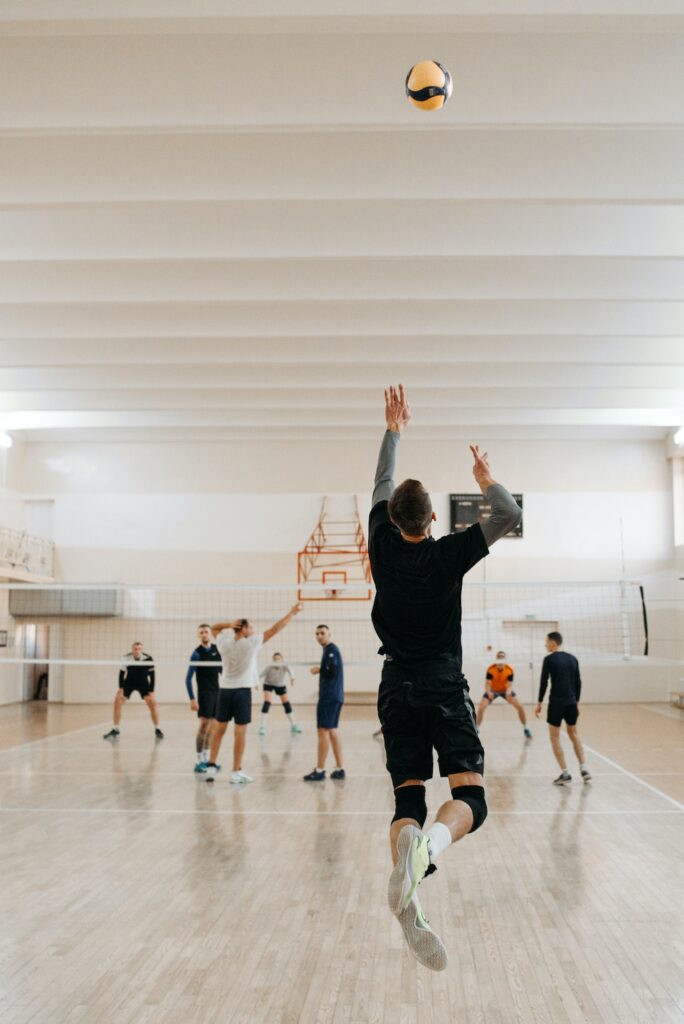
(506,513)
(384,474)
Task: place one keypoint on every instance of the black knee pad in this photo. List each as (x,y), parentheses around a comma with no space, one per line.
(288,707)
(265,706)
(409,802)
(474,796)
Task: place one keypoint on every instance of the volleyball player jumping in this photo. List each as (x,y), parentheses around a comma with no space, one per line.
(423,701)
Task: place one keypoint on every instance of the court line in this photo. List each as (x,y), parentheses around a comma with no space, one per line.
(303,814)
(56,736)
(635,778)
(27,772)
(663,712)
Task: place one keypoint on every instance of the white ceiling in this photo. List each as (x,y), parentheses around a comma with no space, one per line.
(219,220)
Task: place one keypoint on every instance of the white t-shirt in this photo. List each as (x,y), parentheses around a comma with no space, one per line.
(239,659)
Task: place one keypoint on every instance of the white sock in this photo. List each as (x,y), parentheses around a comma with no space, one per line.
(205,756)
(200,756)
(439,839)
(290,717)
(263,719)
(583,767)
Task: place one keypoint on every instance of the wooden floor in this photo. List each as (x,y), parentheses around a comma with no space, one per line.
(134,892)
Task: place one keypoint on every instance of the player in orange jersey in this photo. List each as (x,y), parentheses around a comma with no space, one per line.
(499,683)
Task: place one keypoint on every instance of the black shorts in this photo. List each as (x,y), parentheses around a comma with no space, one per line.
(328,714)
(280,690)
(206,699)
(496,693)
(234,704)
(143,689)
(425,707)
(568,713)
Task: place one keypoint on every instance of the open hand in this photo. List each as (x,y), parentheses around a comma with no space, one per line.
(296,608)
(397,409)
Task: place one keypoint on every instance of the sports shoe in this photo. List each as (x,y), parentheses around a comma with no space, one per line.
(262,730)
(563,779)
(158,734)
(200,768)
(295,728)
(413,862)
(339,773)
(528,734)
(210,773)
(586,774)
(240,777)
(113,734)
(314,776)
(427,948)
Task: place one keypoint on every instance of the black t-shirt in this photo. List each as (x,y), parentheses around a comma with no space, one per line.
(566,684)
(417,608)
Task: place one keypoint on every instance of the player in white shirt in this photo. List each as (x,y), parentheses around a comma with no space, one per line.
(239,656)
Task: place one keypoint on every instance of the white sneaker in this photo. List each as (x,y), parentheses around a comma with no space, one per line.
(262,730)
(427,948)
(240,777)
(210,773)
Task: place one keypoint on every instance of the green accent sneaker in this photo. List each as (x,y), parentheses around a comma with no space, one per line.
(411,867)
(427,948)
(295,728)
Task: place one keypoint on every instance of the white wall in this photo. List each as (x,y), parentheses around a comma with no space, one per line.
(219,513)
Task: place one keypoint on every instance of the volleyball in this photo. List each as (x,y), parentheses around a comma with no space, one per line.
(428,85)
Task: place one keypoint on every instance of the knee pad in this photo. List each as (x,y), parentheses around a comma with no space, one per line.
(474,796)
(288,707)
(409,802)
(265,706)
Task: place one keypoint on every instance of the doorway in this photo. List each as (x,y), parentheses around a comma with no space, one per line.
(36,676)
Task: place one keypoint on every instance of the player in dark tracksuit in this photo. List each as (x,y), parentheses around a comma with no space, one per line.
(136,674)
(207,690)
(330,673)
(566,685)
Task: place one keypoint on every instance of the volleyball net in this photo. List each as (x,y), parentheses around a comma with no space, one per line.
(96,624)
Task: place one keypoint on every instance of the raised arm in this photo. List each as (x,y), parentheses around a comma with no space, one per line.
(218,627)
(506,513)
(281,623)
(397,416)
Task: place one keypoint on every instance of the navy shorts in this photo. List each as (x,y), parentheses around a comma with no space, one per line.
(427,707)
(279,690)
(234,704)
(495,694)
(568,713)
(328,714)
(206,699)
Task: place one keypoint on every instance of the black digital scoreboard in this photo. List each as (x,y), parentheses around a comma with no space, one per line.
(466,509)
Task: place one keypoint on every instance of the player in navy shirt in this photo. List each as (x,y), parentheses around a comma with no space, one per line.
(566,685)
(330,673)
(207,690)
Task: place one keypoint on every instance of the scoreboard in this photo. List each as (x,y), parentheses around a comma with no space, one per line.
(466,509)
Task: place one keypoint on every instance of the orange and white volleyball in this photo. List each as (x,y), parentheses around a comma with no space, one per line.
(428,85)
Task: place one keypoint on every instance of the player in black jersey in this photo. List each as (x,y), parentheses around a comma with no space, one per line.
(137,673)
(207,691)
(423,701)
(566,685)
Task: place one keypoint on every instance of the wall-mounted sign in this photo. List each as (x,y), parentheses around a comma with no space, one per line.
(466,509)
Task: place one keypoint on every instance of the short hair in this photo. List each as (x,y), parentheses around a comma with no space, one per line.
(410,508)
(277,654)
(322,625)
(204,625)
(501,654)
(137,643)
(556,637)
(241,624)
